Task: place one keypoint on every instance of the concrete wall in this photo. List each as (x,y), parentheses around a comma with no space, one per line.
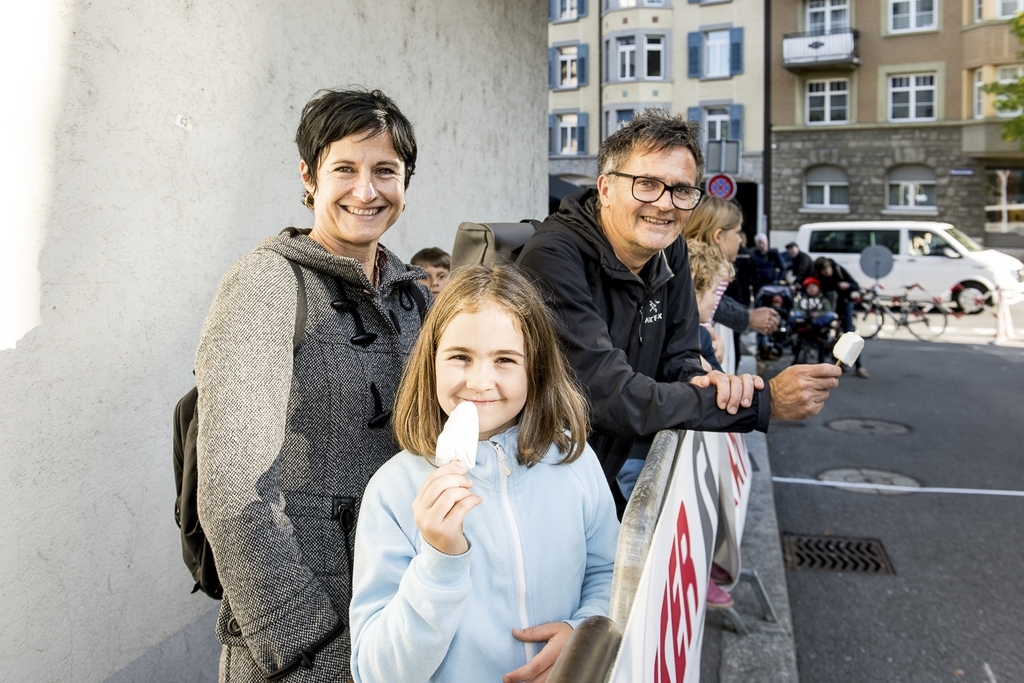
(119,223)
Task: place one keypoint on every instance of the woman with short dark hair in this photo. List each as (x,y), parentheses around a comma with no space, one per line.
(297,369)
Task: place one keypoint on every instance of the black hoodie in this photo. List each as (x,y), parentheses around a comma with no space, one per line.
(633,340)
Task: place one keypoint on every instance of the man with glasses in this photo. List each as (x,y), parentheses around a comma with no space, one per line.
(617,277)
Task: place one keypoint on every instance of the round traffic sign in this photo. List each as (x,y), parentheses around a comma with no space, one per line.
(876,261)
(722,185)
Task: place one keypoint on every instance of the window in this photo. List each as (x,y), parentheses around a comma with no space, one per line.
(911,187)
(622,117)
(716,122)
(977,10)
(926,243)
(826,16)
(912,98)
(1007,8)
(826,187)
(567,67)
(911,15)
(1007,75)
(568,133)
(716,54)
(852,241)
(828,101)
(976,94)
(627,58)
(566,9)
(654,57)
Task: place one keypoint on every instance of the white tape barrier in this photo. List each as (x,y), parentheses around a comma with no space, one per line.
(1005,332)
(662,639)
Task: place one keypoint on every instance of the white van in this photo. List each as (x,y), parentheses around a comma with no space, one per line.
(936,256)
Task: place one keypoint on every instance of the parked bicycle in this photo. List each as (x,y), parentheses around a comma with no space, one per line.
(926,319)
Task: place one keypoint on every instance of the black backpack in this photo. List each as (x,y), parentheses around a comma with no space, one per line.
(195,549)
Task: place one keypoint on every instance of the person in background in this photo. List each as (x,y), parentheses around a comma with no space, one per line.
(288,437)
(718,223)
(801,268)
(438,265)
(464,571)
(767,271)
(838,282)
(767,264)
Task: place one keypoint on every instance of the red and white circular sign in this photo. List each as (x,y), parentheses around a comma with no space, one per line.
(721,185)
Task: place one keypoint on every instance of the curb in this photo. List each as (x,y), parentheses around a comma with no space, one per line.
(769,652)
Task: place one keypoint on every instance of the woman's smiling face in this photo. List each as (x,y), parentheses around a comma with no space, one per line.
(359,193)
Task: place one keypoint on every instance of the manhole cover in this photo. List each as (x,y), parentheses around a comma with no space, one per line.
(864,475)
(856,425)
(837,554)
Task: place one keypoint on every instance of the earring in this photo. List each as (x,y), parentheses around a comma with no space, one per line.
(307,200)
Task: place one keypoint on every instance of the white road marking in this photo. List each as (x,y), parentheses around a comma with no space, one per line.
(988,672)
(895,488)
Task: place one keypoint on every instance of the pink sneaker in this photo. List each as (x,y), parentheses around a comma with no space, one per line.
(718,598)
(719,575)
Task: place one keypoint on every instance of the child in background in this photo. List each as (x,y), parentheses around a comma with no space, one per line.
(437,263)
(809,304)
(459,574)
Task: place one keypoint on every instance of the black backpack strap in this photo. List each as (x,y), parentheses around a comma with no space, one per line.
(302,309)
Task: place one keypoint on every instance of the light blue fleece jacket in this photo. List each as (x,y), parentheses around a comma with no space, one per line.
(541,549)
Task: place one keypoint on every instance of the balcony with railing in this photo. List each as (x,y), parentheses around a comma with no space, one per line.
(818,50)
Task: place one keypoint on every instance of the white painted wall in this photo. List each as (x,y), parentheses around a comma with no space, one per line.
(118,225)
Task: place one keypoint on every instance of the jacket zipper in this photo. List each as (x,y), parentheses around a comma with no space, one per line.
(517,546)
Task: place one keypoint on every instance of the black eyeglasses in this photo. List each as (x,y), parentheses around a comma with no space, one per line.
(648,190)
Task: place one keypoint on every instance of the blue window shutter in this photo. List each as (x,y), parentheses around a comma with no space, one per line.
(552,133)
(581,135)
(693,54)
(693,2)
(736,121)
(694,114)
(581,64)
(552,9)
(736,50)
(581,8)
(552,67)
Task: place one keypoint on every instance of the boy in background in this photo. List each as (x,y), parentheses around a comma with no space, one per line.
(438,263)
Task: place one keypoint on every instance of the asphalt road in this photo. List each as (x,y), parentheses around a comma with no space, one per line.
(954,609)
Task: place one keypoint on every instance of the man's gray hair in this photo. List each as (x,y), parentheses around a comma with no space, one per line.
(653,130)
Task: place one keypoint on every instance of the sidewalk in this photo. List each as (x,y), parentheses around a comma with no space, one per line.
(769,652)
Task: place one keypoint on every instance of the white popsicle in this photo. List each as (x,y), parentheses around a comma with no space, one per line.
(458,439)
(848,348)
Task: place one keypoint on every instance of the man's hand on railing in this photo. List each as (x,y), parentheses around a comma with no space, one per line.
(799,391)
(733,390)
(554,633)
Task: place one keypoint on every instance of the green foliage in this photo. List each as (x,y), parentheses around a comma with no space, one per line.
(1010,96)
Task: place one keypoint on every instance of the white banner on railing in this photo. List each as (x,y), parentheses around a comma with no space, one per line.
(662,639)
(734,488)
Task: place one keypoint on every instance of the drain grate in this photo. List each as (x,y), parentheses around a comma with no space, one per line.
(833,553)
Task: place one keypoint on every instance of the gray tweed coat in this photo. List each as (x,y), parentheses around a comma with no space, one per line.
(283,440)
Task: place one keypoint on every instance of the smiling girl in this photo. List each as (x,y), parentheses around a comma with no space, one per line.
(458,574)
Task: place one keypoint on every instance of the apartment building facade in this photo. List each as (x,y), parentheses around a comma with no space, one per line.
(877,112)
(609,59)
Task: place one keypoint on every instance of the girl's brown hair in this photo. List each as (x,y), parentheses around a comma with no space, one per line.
(710,216)
(555,411)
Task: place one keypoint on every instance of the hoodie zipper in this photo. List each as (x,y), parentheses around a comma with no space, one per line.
(517,546)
